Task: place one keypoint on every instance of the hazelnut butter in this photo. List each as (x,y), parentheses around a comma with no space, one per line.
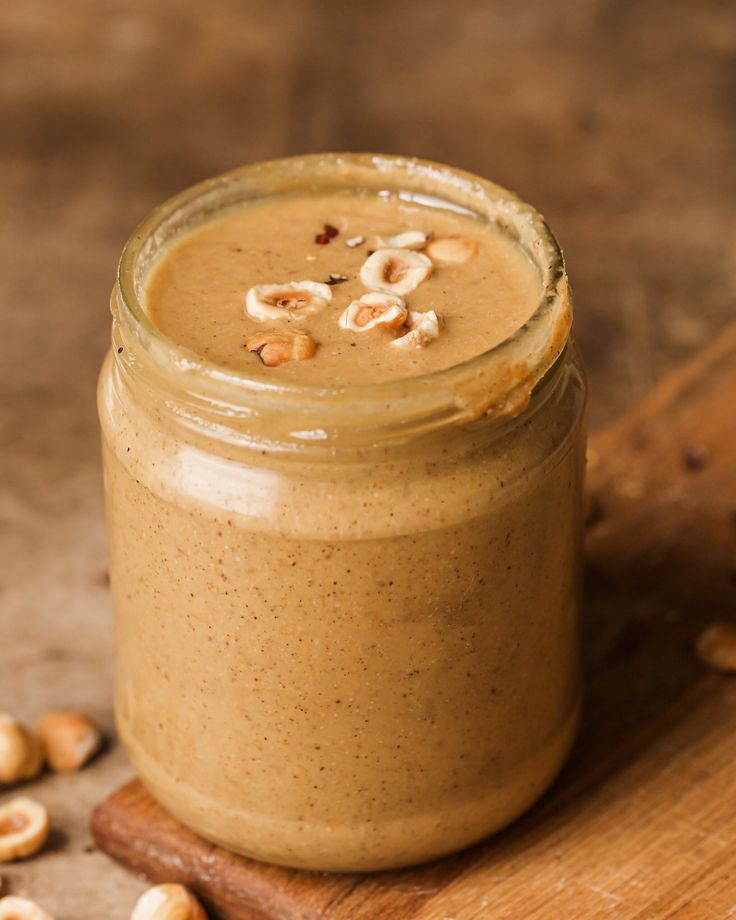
(343,445)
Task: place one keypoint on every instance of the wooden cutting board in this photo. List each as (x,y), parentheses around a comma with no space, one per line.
(642,822)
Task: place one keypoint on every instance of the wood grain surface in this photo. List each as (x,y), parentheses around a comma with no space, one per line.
(642,822)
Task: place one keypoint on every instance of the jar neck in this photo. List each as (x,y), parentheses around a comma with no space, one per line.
(262,421)
(487,392)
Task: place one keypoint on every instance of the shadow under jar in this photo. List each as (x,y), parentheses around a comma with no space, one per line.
(346,619)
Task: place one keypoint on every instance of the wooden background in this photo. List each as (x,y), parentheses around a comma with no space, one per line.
(616,118)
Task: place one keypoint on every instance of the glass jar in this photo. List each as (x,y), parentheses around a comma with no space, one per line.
(346,618)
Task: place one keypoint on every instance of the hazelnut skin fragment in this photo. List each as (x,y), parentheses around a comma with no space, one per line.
(274,348)
(15,908)
(20,752)
(24,827)
(68,740)
(168,902)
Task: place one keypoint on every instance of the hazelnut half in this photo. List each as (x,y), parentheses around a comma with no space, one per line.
(374,309)
(451,250)
(290,300)
(24,827)
(15,908)
(68,740)
(395,271)
(274,348)
(20,752)
(168,902)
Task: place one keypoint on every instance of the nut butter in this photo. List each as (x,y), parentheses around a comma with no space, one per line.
(347,584)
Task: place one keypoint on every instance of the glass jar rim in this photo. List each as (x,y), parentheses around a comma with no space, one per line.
(497,381)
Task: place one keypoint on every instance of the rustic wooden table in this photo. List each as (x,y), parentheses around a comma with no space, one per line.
(615,118)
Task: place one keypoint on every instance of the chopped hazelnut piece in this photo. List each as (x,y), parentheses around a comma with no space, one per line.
(291,300)
(716,647)
(24,827)
(410,239)
(424,328)
(168,902)
(451,250)
(68,739)
(395,271)
(20,752)
(274,348)
(372,310)
(15,908)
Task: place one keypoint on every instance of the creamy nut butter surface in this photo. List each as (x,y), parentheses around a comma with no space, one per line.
(343,443)
(197,292)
